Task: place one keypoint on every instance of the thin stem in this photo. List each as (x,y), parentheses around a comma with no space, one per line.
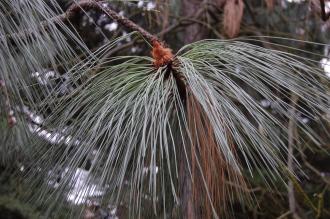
(99,6)
(77,7)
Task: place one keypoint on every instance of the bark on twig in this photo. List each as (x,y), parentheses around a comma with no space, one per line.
(98,6)
(77,7)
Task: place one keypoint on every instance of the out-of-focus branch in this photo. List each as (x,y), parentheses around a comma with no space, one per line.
(256,25)
(325,16)
(250,11)
(11,119)
(285,215)
(314,169)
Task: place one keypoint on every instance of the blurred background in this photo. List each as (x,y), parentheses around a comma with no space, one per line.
(179,22)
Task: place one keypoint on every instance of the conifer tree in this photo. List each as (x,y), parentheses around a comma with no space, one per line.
(173,133)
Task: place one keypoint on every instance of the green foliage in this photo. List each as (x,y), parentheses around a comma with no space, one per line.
(133,118)
(131,115)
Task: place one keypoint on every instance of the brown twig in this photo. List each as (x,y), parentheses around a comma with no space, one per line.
(98,6)
(77,7)
(162,56)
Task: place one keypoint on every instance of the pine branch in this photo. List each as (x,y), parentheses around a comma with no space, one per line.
(161,54)
(98,6)
(77,7)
